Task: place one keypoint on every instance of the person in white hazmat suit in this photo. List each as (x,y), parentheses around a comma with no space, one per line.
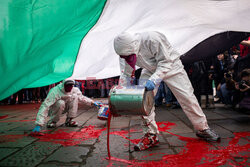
(61,99)
(160,61)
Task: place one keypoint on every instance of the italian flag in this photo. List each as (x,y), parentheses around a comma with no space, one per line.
(46,41)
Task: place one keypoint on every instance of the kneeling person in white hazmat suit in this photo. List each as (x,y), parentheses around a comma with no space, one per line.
(153,52)
(61,99)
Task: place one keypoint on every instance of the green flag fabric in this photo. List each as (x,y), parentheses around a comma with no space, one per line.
(40,39)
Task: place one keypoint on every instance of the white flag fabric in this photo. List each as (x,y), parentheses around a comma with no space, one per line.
(185,24)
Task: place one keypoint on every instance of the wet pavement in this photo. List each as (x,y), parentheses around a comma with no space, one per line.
(86,145)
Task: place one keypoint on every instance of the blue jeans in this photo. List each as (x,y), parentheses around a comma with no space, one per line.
(160,94)
(164,93)
(169,95)
(225,95)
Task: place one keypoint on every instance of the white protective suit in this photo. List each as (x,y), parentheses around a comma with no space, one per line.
(59,102)
(159,62)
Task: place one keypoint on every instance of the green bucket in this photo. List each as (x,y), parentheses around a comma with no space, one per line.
(132,100)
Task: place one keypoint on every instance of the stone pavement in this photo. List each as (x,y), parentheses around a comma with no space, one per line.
(86,145)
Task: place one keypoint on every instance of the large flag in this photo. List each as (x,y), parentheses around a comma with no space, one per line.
(46,41)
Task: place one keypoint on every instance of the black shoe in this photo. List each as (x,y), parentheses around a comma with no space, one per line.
(208,134)
(71,124)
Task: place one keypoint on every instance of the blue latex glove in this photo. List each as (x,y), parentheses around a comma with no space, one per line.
(150,85)
(98,104)
(37,129)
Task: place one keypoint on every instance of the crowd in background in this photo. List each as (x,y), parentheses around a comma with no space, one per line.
(224,78)
(91,88)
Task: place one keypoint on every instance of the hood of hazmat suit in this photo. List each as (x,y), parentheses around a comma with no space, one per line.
(126,44)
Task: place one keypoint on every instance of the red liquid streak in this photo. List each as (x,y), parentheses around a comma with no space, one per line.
(72,138)
(122,160)
(109,120)
(4,116)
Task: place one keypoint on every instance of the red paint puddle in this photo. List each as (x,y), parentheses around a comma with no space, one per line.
(200,153)
(164,126)
(4,116)
(18,120)
(72,138)
(196,152)
(10,138)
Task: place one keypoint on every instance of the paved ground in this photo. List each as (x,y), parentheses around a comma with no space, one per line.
(86,144)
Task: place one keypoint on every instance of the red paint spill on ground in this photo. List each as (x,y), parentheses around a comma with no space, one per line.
(72,138)
(4,116)
(164,126)
(196,152)
(201,153)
